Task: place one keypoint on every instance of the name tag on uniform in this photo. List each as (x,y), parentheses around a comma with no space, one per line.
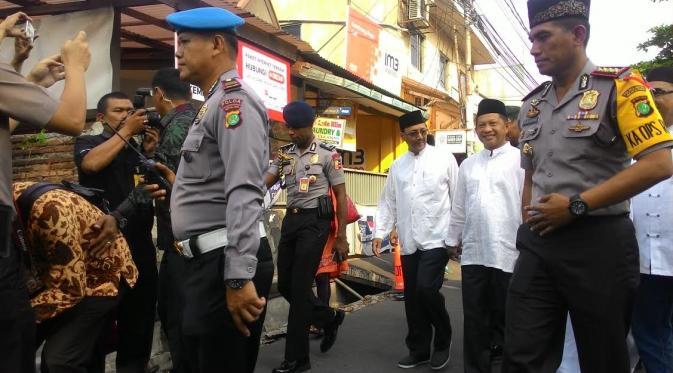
(303,184)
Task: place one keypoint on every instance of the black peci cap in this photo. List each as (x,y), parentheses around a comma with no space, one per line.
(488,106)
(541,11)
(411,119)
(661,74)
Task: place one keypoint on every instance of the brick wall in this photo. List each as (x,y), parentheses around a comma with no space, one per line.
(51,160)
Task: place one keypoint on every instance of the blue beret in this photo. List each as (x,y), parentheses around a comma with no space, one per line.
(298,114)
(204,19)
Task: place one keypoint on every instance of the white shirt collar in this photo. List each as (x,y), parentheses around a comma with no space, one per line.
(497,151)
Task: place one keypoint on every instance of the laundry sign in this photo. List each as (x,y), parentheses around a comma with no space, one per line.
(330,130)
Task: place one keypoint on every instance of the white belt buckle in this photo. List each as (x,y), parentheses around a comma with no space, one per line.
(210,241)
(183,249)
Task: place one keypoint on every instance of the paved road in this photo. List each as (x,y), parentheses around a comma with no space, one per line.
(372,340)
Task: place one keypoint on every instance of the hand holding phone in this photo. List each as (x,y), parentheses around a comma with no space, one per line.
(29,31)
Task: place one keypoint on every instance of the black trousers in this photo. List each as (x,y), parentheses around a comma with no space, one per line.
(137,310)
(589,268)
(71,338)
(302,240)
(17,320)
(211,342)
(484,293)
(322,288)
(424,304)
(170,304)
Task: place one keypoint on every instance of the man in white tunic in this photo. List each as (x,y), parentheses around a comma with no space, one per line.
(652,213)
(485,216)
(416,200)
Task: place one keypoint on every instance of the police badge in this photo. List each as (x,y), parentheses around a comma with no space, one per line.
(589,100)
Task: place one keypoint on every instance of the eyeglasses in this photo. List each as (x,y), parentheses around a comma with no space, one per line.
(659,92)
(416,133)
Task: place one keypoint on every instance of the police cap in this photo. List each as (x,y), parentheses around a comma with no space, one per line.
(298,114)
(204,19)
(541,11)
(411,119)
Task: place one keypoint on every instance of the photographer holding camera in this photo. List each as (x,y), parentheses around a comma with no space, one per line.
(108,161)
(172,114)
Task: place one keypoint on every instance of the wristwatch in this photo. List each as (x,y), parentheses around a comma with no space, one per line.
(236,283)
(578,207)
(121,220)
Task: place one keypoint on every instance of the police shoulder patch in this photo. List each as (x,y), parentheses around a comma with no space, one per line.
(609,72)
(542,86)
(231,85)
(329,147)
(232,112)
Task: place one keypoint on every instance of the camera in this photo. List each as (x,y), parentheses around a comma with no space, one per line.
(153,118)
(152,175)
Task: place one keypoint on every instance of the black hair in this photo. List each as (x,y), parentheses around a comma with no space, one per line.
(512,112)
(168,79)
(230,38)
(568,23)
(101,107)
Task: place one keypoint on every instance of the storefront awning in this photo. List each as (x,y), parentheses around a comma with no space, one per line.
(345,88)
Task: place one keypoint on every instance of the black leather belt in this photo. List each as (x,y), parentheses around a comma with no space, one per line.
(298,211)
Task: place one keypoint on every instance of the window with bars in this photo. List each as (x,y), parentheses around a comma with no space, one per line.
(443,70)
(416,43)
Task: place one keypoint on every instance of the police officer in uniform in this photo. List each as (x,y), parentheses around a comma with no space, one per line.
(578,250)
(216,201)
(307,169)
(23,100)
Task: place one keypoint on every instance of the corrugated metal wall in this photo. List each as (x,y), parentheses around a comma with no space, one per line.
(364,188)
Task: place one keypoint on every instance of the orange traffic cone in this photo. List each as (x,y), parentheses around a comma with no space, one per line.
(399,276)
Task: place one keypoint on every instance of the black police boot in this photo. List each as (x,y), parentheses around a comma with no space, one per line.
(331,331)
(293,366)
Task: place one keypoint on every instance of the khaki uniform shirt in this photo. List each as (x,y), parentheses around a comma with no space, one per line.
(220,179)
(308,175)
(589,135)
(25,102)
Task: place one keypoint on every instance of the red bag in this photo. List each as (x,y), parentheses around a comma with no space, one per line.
(352,214)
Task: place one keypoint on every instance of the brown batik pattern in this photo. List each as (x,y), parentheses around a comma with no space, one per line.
(58,233)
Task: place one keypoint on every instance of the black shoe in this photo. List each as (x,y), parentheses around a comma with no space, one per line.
(412,361)
(330,331)
(440,358)
(293,366)
(496,351)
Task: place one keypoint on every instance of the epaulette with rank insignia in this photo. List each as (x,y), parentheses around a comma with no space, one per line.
(542,86)
(329,147)
(231,85)
(609,72)
(286,147)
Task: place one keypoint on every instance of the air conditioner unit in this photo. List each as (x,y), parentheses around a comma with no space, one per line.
(417,10)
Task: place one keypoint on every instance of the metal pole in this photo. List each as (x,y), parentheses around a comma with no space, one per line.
(348,288)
